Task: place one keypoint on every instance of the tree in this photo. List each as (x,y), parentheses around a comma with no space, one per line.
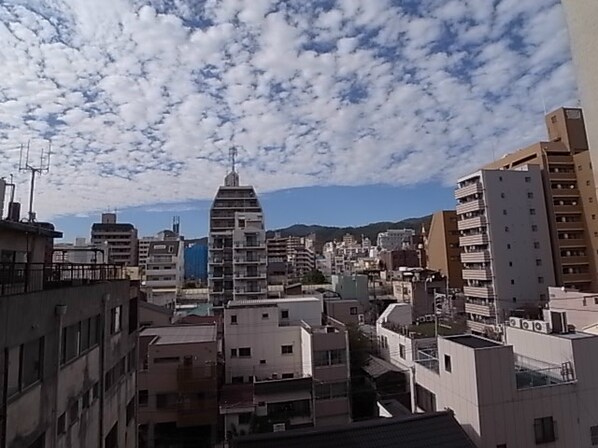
(314,277)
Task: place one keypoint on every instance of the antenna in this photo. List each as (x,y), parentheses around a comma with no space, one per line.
(42,168)
(176,224)
(232,153)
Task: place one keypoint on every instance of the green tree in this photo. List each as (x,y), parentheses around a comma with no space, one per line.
(314,277)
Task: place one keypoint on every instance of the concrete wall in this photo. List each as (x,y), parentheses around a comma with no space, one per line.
(442,247)
(341,310)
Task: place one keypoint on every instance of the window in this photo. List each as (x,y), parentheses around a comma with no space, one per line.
(353,311)
(329,357)
(506,228)
(233,319)
(447,363)
(330,391)
(237,380)
(532,211)
(74,413)
(287,349)
(96,391)
(133,315)
(262,361)
(590,200)
(94,327)
(31,362)
(61,427)
(536,245)
(504,212)
(40,442)
(70,343)
(265,316)
(502,445)
(530,195)
(587,183)
(233,352)
(425,399)
(544,430)
(594,435)
(85,400)
(538,262)
(510,263)
(284,314)
(143,398)
(245,352)
(540,280)
(111,440)
(84,340)
(508,246)
(500,178)
(534,228)
(130,410)
(116,319)
(514,299)
(528,179)
(593,217)
(512,282)
(286,376)
(502,195)
(402,351)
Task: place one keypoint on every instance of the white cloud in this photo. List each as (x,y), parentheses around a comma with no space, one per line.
(142,99)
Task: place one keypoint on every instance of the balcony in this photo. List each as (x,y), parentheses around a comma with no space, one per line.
(531,373)
(582,259)
(250,291)
(563,176)
(250,275)
(567,208)
(473,240)
(250,260)
(571,242)
(250,244)
(428,358)
(472,223)
(469,190)
(577,278)
(477,327)
(20,278)
(486,310)
(477,274)
(564,192)
(483,292)
(482,256)
(578,225)
(471,206)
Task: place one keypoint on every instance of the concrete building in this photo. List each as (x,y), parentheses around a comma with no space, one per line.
(291,362)
(249,257)
(143,246)
(69,335)
(349,312)
(570,195)
(164,271)
(581,308)
(224,260)
(352,287)
(418,288)
(178,386)
(81,252)
(394,239)
(539,388)
(442,247)
(278,264)
(121,238)
(505,242)
(583,34)
(394,259)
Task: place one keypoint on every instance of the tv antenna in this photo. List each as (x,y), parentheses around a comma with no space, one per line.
(42,168)
(232,153)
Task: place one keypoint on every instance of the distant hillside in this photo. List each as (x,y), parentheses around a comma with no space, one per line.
(324,233)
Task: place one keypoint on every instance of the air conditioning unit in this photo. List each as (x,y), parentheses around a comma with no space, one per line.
(527,325)
(541,327)
(515,322)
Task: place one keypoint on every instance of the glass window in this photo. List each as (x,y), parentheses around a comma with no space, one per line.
(130,410)
(594,435)
(74,412)
(233,319)
(70,342)
(245,352)
(425,399)
(116,319)
(143,398)
(544,430)
(353,311)
(14,370)
(402,351)
(233,352)
(61,427)
(32,362)
(84,335)
(286,349)
(284,314)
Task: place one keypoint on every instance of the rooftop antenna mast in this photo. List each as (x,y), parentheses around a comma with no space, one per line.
(232,153)
(43,167)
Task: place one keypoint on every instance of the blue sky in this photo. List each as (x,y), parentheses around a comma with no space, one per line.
(142,100)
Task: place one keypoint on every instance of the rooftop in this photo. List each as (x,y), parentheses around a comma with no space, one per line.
(272,302)
(474,342)
(42,228)
(439,430)
(181,334)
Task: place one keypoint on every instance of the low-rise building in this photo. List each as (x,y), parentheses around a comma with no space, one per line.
(537,388)
(419,288)
(581,308)
(289,361)
(352,287)
(121,238)
(164,271)
(81,252)
(349,311)
(178,385)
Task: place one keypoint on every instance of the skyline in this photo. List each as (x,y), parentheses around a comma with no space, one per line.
(142,99)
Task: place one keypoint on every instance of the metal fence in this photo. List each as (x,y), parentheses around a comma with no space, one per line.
(19,278)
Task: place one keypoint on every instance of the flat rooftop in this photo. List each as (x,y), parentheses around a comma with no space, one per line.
(473,341)
(181,334)
(271,302)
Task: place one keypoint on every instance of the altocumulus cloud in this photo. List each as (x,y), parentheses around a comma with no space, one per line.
(142,99)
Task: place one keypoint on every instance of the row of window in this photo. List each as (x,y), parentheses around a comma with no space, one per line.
(284,314)
(79,338)
(25,365)
(77,407)
(330,391)
(329,357)
(124,365)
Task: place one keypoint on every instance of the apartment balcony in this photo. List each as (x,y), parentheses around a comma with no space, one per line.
(477,274)
(477,327)
(428,358)
(250,275)
(474,240)
(531,373)
(160,272)
(564,192)
(577,278)
(250,291)
(471,206)
(161,283)
(250,245)
(567,208)
(569,225)
(486,310)
(216,260)
(482,256)
(472,223)
(468,190)
(563,176)
(20,278)
(572,242)
(574,260)
(215,274)
(483,292)
(250,260)
(552,159)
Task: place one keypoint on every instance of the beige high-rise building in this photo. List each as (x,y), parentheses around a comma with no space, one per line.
(570,195)
(442,247)
(582,20)
(121,239)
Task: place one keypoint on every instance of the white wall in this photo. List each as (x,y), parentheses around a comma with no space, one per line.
(581,308)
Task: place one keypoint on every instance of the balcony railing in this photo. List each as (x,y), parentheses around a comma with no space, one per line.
(532,373)
(19,278)
(428,358)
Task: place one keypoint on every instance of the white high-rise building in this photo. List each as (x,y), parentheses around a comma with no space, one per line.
(505,243)
(237,259)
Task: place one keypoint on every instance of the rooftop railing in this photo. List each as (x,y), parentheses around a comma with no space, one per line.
(20,278)
(428,358)
(531,373)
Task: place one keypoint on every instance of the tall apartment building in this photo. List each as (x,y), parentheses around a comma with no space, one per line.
(143,249)
(226,261)
(69,336)
(121,238)
(442,247)
(178,385)
(278,265)
(164,272)
(249,257)
(285,365)
(505,243)
(396,239)
(570,195)
(581,19)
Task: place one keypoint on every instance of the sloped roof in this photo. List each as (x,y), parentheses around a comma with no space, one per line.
(377,367)
(438,430)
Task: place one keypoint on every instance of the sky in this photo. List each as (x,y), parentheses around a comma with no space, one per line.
(343,111)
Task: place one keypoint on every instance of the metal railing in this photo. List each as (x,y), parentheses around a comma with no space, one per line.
(20,278)
(428,358)
(531,373)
